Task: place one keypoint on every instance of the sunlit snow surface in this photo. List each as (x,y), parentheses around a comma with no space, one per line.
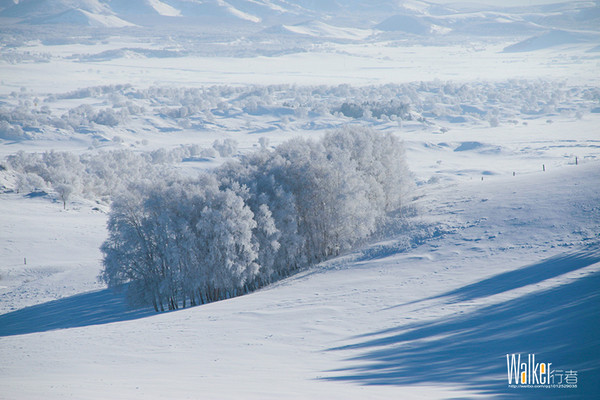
(358,64)
(500,257)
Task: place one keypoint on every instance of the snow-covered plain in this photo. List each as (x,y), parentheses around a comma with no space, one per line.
(501,255)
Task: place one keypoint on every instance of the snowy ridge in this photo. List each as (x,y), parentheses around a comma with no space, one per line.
(82,17)
(552,39)
(320,29)
(238,13)
(45,8)
(351,20)
(405,23)
(164,9)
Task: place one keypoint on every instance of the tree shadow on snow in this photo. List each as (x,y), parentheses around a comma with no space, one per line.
(529,275)
(560,325)
(93,308)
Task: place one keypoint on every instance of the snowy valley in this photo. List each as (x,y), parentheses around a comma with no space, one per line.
(482,240)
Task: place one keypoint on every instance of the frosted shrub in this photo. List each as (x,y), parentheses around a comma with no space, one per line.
(264,142)
(225,147)
(28,182)
(10,132)
(107,117)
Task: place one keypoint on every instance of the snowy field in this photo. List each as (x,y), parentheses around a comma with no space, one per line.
(499,113)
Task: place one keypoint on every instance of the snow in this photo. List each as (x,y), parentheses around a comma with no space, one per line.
(238,13)
(164,9)
(61,249)
(404,23)
(357,64)
(44,8)
(82,17)
(501,255)
(549,39)
(319,29)
(283,339)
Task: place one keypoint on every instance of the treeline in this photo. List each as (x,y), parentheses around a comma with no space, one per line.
(25,115)
(251,222)
(99,176)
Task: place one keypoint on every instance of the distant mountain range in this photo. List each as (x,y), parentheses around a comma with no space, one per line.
(576,21)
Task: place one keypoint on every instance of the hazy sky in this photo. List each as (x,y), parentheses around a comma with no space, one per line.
(501,2)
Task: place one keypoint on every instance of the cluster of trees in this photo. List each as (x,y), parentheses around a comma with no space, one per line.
(165,238)
(254,220)
(392,108)
(32,115)
(198,107)
(13,56)
(86,115)
(94,91)
(9,131)
(28,119)
(98,176)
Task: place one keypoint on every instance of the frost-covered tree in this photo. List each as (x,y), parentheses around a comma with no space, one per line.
(335,208)
(28,182)
(64,191)
(225,147)
(253,220)
(379,158)
(180,242)
(258,180)
(324,197)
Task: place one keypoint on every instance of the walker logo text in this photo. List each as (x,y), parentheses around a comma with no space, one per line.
(527,372)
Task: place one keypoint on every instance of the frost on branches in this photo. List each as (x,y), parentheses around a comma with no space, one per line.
(253,221)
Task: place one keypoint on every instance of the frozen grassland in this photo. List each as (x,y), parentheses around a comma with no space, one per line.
(490,263)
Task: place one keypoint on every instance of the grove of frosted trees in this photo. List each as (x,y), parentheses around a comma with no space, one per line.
(99,176)
(253,220)
(26,115)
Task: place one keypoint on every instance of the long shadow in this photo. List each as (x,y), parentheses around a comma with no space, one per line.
(560,325)
(529,275)
(92,308)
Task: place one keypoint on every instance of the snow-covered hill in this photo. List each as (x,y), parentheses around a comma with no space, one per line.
(501,255)
(515,270)
(84,18)
(321,30)
(551,39)
(416,18)
(496,252)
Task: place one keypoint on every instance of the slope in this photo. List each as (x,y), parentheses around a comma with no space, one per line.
(407,16)
(398,316)
(143,7)
(84,18)
(321,30)
(28,9)
(552,39)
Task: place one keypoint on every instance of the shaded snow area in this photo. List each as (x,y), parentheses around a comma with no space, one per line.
(289,116)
